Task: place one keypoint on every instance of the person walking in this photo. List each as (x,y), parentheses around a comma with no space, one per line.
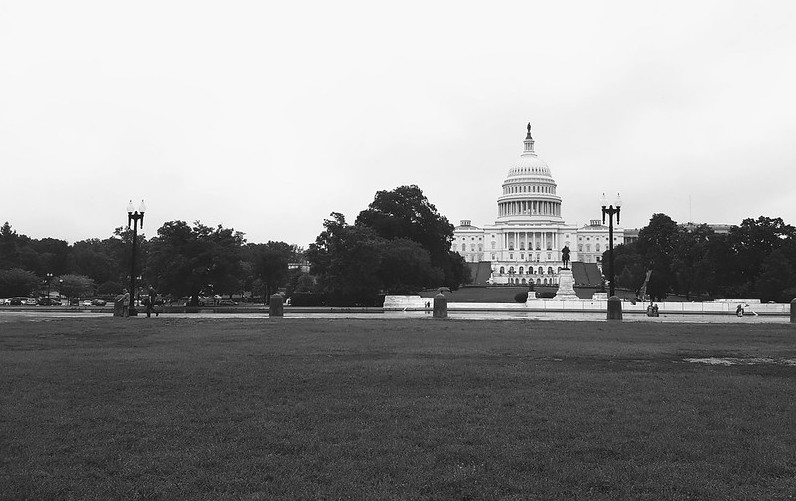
(150,302)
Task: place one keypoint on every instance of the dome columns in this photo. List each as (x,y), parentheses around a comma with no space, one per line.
(529,208)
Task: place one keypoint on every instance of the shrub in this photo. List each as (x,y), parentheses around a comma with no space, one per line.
(521,297)
(307,299)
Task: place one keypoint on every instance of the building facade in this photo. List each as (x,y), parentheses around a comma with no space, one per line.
(525,242)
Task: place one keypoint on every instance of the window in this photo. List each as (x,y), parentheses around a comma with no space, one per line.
(541,270)
(521,270)
(580,247)
(511,269)
(588,247)
(472,247)
(502,270)
(464,247)
(597,247)
(549,270)
(493,246)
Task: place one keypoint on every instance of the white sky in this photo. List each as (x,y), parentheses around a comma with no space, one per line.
(267,116)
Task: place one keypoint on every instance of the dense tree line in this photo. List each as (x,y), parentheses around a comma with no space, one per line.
(399,244)
(181,261)
(756,259)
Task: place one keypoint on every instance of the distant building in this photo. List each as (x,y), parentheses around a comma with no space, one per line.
(631,235)
(524,244)
(302,266)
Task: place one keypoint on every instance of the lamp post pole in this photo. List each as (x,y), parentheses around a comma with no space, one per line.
(134,217)
(48,279)
(614,305)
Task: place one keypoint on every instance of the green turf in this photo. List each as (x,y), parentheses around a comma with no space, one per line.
(392,409)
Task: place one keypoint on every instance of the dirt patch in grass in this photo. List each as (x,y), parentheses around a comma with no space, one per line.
(387,409)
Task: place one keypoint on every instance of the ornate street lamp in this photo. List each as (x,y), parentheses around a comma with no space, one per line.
(611,211)
(134,217)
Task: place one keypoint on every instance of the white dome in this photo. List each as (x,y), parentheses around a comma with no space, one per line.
(530,164)
(529,191)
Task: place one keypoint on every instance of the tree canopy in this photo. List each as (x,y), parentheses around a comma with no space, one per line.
(406,213)
(755,259)
(186,260)
(17,282)
(400,244)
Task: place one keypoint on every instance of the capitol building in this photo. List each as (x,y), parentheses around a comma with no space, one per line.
(524,245)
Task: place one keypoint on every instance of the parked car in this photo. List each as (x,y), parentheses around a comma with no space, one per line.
(31,301)
(227,302)
(16,301)
(98,302)
(48,301)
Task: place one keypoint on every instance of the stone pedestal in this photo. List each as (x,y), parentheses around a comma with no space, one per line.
(793,311)
(440,306)
(566,283)
(614,308)
(276,306)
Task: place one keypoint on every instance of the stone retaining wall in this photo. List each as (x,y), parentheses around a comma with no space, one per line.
(723,307)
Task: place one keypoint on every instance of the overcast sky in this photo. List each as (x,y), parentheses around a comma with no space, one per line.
(268,116)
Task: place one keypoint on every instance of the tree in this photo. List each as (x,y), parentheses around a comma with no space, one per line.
(9,256)
(300,283)
(109,288)
(406,267)
(630,268)
(657,243)
(93,259)
(53,256)
(346,259)
(754,240)
(406,213)
(17,282)
(270,264)
(692,270)
(776,277)
(185,260)
(72,285)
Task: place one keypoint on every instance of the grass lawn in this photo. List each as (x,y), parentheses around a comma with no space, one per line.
(392,409)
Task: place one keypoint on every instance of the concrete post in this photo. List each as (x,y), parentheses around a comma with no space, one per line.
(440,306)
(614,308)
(793,311)
(276,306)
(118,312)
